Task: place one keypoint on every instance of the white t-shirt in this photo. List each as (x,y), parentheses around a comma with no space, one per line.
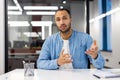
(66,50)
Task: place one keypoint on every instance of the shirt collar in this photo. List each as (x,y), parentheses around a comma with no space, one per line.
(71,37)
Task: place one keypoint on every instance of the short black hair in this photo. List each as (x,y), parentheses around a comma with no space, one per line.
(68,11)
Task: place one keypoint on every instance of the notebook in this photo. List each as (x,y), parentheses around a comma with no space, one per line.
(106,73)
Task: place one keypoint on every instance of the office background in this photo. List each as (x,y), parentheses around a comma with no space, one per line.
(35,28)
(112,58)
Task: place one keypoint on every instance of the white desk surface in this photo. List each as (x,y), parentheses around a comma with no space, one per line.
(76,74)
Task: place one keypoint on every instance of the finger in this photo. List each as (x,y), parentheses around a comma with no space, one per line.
(89,52)
(94,49)
(62,52)
(66,55)
(67,61)
(94,45)
(94,42)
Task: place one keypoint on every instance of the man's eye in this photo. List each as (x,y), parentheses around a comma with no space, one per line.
(57,19)
(64,18)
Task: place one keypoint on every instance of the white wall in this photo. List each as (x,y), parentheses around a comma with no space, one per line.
(78,15)
(94,27)
(114,56)
(2,53)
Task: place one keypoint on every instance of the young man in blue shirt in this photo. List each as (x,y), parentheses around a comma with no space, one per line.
(81,46)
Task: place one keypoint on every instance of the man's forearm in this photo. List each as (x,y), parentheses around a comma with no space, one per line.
(47,64)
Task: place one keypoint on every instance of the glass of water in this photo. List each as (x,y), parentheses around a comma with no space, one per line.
(28,69)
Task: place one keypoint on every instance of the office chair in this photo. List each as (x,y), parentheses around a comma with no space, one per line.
(88,63)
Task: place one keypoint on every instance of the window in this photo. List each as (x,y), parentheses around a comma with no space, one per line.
(105,24)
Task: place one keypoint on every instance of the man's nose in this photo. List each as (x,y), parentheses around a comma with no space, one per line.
(61,21)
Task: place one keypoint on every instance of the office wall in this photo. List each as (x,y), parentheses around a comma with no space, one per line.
(94,27)
(114,56)
(78,15)
(2,54)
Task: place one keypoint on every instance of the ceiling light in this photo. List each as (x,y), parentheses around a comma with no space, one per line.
(41,23)
(31,34)
(106,14)
(64,2)
(14,13)
(113,11)
(17,4)
(91,20)
(40,13)
(61,7)
(13,8)
(40,8)
(100,16)
(18,23)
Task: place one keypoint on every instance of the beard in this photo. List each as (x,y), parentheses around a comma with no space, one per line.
(65,31)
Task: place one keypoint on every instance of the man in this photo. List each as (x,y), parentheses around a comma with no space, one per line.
(81,46)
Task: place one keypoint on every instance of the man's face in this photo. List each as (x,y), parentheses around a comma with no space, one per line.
(63,21)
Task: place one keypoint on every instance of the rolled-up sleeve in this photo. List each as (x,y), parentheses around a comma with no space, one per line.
(99,61)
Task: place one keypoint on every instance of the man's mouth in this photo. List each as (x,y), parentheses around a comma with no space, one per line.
(63,27)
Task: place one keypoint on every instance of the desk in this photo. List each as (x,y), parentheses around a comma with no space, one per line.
(76,74)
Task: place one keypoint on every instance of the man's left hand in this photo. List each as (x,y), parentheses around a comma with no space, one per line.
(93,51)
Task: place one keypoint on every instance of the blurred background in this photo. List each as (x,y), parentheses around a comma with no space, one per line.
(29,22)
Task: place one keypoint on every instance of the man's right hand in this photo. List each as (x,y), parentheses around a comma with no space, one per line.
(64,58)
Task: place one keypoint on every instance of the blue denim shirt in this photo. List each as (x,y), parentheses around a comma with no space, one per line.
(78,42)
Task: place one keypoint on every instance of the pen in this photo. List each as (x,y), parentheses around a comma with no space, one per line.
(96,76)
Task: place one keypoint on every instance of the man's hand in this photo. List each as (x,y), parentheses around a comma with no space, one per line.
(64,58)
(93,51)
